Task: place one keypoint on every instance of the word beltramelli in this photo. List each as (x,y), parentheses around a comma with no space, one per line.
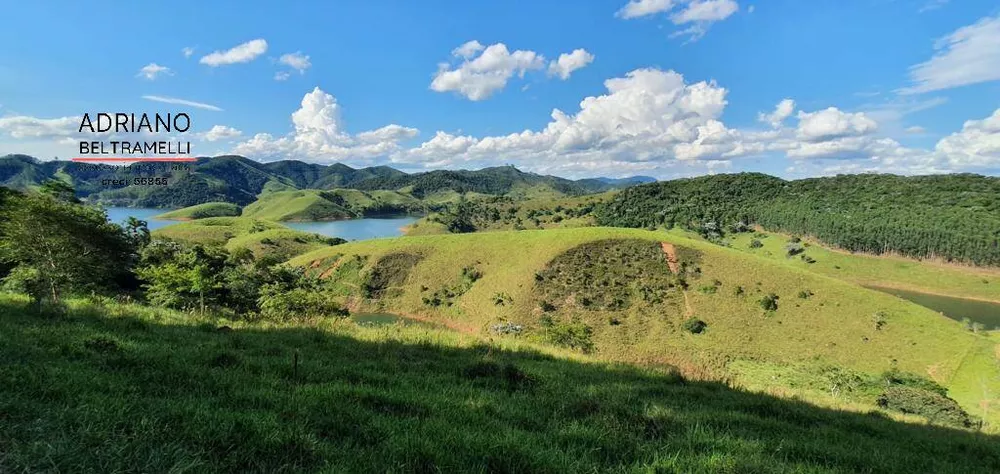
(123,123)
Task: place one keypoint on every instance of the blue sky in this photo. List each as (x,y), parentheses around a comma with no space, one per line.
(675,87)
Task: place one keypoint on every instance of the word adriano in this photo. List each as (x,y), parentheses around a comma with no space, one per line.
(128,123)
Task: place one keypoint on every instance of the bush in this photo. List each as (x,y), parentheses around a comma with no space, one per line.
(756,244)
(935,407)
(879,319)
(794,249)
(695,326)
(281,304)
(769,302)
(708,289)
(805,294)
(575,335)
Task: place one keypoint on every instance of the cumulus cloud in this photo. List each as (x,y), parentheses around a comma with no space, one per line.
(319,135)
(696,15)
(297,60)
(832,123)
(187,51)
(24,127)
(242,53)
(468,50)
(969,55)
(221,132)
(175,100)
(479,77)
(152,70)
(782,111)
(976,146)
(569,62)
(282,75)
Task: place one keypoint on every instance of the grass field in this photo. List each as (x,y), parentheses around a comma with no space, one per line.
(115,387)
(321,205)
(201,211)
(263,238)
(820,321)
(887,271)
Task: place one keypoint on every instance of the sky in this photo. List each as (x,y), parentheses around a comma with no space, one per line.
(664,88)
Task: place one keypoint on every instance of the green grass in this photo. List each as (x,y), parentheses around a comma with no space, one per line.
(278,244)
(298,205)
(886,271)
(115,388)
(201,211)
(835,326)
(263,238)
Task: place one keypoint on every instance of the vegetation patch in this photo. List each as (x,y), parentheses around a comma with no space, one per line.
(447,295)
(610,275)
(388,273)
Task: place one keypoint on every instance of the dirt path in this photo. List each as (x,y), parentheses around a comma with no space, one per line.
(671,253)
(675,268)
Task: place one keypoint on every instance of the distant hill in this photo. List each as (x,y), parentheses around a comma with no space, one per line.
(627,181)
(238,180)
(952,217)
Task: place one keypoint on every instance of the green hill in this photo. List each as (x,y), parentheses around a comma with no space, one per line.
(112,388)
(952,217)
(612,292)
(201,211)
(264,238)
(319,205)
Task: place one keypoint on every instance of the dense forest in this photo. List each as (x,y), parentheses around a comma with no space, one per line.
(954,217)
(239,180)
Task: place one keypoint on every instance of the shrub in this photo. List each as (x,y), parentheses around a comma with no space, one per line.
(769,302)
(756,244)
(807,259)
(708,289)
(739,291)
(507,375)
(282,304)
(547,307)
(935,407)
(879,319)
(694,326)
(805,294)
(575,335)
(794,249)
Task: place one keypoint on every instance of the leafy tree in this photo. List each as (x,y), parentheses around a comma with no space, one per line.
(72,247)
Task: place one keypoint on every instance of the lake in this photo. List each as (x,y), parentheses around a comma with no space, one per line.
(955,308)
(352,229)
(356,229)
(119,215)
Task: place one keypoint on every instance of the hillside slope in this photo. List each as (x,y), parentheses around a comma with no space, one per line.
(620,301)
(116,388)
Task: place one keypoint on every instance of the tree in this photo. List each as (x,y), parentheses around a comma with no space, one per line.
(72,247)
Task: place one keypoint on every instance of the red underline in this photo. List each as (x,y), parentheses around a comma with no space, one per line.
(135,159)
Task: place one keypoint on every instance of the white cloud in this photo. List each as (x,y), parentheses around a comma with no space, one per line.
(479,77)
(221,132)
(319,135)
(640,8)
(37,128)
(969,55)
(174,100)
(916,130)
(569,62)
(152,70)
(976,146)
(297,60)
(468,50)
(832,123)
(698,15)
(282,75)
(187,51)
(242,53)
(782,111)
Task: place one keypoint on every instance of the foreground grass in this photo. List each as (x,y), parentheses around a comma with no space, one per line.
(123,388)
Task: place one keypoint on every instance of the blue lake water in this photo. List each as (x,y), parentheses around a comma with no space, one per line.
(119,215)
(353,229)
(356,229)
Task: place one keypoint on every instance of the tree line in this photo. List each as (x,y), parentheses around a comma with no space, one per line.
(52,247)
(953,217)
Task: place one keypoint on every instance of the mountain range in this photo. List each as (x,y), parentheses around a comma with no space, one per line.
(239,180)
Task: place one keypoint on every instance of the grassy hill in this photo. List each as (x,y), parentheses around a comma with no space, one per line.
(611,292)
(201,211)
(109,387)
(263,238)
(319,205)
